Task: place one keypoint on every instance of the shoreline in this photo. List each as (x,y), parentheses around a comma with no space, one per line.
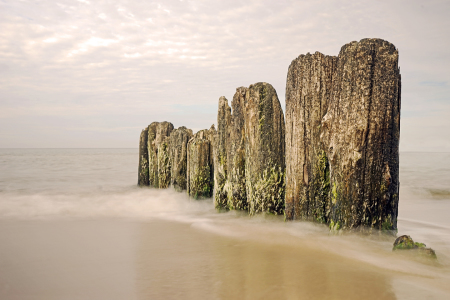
(122,259)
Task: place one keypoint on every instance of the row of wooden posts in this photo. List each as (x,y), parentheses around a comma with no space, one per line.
(331,158)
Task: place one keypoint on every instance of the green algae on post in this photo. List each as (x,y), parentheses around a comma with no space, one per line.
(221,145)
(143,159)
(178,141)
(164,165)
(264,149)
(157,132)
(199,180)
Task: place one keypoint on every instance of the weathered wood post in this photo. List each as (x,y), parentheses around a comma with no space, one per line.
(157,132)
(361,133)
(143,159)
(178,141)
(308,94)
(199,183)
(236,187)
(264,149)
(220,154)
(164,164)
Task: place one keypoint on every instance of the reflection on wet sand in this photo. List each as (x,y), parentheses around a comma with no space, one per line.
(220,257)
(176,261)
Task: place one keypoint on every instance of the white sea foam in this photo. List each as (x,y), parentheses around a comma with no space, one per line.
(137,203)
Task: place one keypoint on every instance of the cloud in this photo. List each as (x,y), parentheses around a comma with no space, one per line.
(144,61)
(134,55)
(50,40)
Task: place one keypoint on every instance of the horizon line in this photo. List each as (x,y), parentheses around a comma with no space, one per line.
(415,151)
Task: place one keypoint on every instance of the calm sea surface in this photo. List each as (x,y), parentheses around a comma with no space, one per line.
(74,225)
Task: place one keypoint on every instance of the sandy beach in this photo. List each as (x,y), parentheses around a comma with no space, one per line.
(119,259)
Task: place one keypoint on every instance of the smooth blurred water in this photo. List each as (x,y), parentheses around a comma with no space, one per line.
(45,182)
(426,175)
(67,170)
(41,190)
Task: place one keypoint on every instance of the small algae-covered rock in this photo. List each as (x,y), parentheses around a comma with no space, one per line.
(427,252)
(164,164)
(360,133)
(143,159)
(235,186)
(178,141)
(308,93)
(157,132)
(405,242)
(199,179)
(264,149)
(220,154)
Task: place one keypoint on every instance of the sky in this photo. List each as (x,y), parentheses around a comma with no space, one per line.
(93,74)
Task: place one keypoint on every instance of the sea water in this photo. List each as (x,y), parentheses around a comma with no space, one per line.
(74,225)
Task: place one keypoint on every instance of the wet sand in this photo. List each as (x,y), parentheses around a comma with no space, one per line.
(67,260)
(193,264)
(160,259)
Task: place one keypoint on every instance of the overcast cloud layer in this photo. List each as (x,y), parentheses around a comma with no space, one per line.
(79,73)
